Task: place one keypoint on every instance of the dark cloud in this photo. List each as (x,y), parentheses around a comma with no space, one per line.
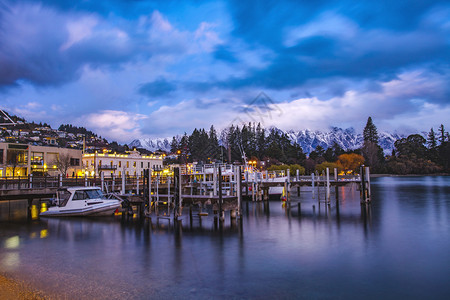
(224,54)
(47,47)
(263,22)
(158,88)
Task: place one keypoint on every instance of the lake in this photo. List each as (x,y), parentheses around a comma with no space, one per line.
(398,247)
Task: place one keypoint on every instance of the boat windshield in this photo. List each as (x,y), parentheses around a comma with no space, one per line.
(63,196)
(88,194)
(95,194)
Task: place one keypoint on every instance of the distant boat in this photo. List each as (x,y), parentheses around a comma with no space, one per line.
(81,201)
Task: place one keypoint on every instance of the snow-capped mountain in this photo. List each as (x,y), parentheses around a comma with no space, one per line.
(152,144)
(347,139)
(308,139)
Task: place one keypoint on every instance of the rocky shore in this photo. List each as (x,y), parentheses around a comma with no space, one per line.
(11,289)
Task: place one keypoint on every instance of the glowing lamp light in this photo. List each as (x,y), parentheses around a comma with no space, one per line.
(43,233)
(12,242)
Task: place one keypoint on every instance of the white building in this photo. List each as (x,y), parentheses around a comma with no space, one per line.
(24,159)
(130,164)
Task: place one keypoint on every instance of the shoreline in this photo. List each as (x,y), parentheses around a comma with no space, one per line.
(406,175)
(14,289)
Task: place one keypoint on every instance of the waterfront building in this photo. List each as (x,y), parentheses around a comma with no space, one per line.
(24,159)
(130,164)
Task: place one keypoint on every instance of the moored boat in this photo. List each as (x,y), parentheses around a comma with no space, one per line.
(81,201)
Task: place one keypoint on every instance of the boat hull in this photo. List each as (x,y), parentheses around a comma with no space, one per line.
(97,210)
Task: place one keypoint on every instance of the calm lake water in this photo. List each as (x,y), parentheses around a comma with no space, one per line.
(396,248)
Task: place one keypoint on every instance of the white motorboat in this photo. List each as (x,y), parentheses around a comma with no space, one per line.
(81,201)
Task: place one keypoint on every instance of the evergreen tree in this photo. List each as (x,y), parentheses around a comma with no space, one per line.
(370,132)
(433,153)
(431,141)
(174,146)
(332,153)
(260,141)
(371,150)
(213,144)
(442,136)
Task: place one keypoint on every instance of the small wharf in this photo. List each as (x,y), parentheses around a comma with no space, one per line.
(217,188)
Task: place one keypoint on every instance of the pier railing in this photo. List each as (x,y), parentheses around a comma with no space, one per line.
(43,182)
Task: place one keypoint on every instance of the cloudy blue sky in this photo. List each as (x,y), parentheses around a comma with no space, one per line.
(128,69)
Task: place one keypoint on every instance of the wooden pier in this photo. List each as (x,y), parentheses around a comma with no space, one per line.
(214,188)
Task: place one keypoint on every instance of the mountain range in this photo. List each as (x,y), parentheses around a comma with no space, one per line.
(348,139)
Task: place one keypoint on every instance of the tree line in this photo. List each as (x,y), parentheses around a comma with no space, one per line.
(273,149)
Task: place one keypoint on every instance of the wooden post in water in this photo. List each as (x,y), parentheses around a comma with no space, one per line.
(180,192)
(137,184)
(123,182)
(318,187)
(336,190)
(369,196)
(363,184)
(239,189)
(149,189)
(215,180)
(220,194)
(328,185)
(204,181)
(169,199)
(157,191)
(288,190)
(113,178)
(246,183)
(253,190)
(312,184)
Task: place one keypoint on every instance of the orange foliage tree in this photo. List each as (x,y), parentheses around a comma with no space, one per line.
(350,162)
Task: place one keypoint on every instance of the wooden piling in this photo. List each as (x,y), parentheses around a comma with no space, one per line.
(363,185)
(137,184)
(328,185)
(288,191)
(123,183)
(149,182)
(157,191)
(113,183)
(220,194)
(169,198)
(215,180)
(180,192)
(239,191)
(369,197)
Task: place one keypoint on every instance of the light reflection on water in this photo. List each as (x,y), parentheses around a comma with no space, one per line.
(396,248)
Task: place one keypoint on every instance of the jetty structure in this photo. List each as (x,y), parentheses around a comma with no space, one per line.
(197,190)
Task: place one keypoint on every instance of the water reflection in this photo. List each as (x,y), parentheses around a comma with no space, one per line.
(342,250)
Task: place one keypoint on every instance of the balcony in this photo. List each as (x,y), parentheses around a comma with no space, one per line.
(107,167)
